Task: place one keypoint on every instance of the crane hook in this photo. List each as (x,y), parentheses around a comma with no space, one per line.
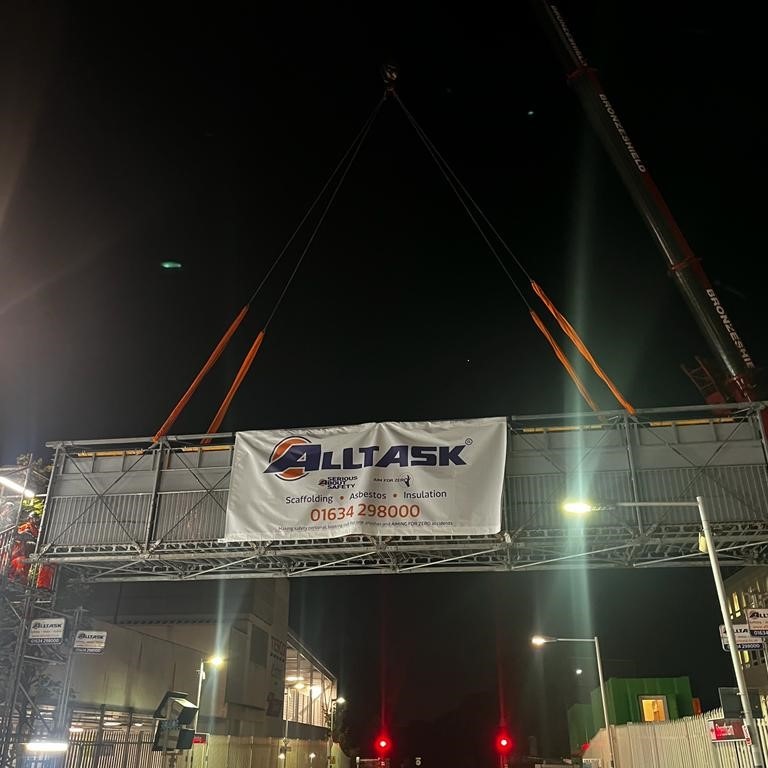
(389,74)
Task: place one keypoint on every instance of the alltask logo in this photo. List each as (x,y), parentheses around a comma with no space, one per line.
(295,456)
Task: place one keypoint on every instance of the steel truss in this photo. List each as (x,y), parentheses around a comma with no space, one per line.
(24,712)
(129,510)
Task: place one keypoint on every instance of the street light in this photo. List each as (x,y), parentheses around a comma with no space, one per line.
(709,548)
(338,701)
(539,640)
(214,661)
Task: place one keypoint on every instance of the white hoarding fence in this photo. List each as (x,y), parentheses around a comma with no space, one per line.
(683,743)
(437,478)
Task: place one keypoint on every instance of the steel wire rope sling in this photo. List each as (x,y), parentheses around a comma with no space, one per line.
(476,214)
(338,174)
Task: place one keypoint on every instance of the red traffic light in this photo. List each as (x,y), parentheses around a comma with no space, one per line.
(382,745)
(503,744)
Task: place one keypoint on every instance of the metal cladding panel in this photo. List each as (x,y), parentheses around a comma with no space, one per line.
(535,501)
(651,446)
(194,479)
(680,445)
(733,494)
(89,475)
(537,452)
(112,519)
(191,516)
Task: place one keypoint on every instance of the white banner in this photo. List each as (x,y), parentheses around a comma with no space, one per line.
(432,478)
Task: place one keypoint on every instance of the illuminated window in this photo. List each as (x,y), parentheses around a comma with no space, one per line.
(736,604)
(653,708)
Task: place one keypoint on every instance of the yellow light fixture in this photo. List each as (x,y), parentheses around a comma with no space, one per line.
(577,507)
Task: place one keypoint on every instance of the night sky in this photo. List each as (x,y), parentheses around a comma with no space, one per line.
(135,135)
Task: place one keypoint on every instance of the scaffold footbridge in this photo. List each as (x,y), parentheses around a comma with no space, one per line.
(134,510)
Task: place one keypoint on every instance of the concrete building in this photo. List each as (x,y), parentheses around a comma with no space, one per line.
(270,697)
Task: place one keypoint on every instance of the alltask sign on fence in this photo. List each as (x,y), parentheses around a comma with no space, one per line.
(89,641)
(757,621)
(745,640)
(46,631)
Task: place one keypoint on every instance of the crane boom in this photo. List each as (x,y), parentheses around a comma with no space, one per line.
(701,297)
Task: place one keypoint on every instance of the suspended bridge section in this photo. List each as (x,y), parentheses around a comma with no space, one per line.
(140,510)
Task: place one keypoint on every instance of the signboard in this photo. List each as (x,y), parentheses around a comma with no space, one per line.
(727,729)
(89,641)
(276,683)
(757,621)
(432,478)
(745,641)
(46,631)
(200,738)
(730,701)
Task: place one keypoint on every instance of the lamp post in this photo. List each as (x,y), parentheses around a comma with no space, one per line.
(338,701)
(539,640)
(583,507)
(214,661)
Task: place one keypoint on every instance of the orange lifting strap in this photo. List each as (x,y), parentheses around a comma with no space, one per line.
(238,380)
(574,337)
(200,376)
(564,360)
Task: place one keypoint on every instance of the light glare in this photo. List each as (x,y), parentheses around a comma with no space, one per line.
(46,746)
(16,488)
(577,507)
